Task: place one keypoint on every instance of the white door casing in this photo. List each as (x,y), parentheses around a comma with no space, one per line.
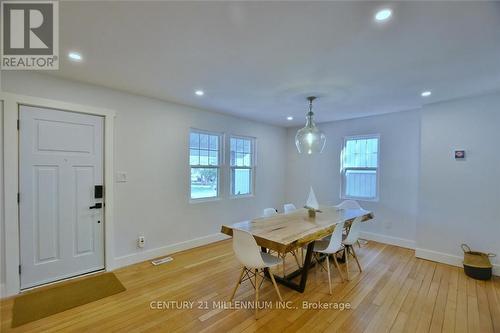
(61,159)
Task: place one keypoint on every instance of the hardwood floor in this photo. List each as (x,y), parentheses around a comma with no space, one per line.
(395,293)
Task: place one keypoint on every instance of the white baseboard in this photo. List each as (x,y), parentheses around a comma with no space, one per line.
(165,250)
(446,258)
(402,242)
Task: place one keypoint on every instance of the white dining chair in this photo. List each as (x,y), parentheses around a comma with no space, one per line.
(268,212)
(254,262)
(349,241)
(348,204)
(288,208)
(329,247)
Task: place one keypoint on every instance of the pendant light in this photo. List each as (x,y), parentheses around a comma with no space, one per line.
(310,139)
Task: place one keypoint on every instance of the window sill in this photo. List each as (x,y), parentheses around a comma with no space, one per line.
(202,200)
(359,199)
(242,196)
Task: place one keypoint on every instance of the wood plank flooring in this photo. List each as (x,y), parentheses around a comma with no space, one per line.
(396,292)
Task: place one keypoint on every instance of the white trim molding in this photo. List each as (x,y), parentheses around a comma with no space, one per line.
(446,258)
(134,258)
(11,179)
(402,242)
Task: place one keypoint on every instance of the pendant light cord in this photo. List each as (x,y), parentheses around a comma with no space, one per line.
(311,99)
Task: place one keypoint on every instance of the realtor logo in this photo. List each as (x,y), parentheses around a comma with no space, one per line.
(30,35)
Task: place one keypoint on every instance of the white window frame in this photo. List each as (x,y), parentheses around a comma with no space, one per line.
(343,169)
(252,168)
(218,167)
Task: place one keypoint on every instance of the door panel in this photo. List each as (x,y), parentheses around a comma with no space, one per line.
(61,160)
(79,138)
(84,217)
(45,215)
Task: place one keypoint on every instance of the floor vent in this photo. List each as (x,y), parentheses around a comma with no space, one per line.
(162,261)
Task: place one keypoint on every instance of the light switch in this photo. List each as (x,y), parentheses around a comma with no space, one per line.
(121,177)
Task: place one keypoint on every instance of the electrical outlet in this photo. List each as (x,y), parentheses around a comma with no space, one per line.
(141,241)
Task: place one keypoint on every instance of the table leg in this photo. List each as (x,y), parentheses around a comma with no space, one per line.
(307,264)
(287,280)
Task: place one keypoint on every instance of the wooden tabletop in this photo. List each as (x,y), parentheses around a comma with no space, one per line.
(286,232)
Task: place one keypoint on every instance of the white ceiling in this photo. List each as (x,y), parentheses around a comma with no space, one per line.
(259,60)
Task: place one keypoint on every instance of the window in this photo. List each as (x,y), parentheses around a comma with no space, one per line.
(204,160)
(242,165)
(360,167)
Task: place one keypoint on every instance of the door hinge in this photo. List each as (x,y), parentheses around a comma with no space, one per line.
(18,197)
(18,124)
(19,269)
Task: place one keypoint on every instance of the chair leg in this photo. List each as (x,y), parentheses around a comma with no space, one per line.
(276,286)
(338,267)
(346,254)
(356,258)
(314,257)
(296,259)
(329,276)
(284,259)
(318,261)
(237,284)
(256,292)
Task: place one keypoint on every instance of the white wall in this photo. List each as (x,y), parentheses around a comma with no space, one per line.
(151,140)
(396,210)
(459,200)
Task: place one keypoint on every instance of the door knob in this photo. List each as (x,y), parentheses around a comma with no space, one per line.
(98,205)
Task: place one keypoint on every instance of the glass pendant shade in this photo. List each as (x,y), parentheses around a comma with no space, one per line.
(310,139)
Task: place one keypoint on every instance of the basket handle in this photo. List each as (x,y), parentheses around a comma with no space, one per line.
(465,248)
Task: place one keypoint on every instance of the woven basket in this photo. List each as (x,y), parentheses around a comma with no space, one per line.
(477,265)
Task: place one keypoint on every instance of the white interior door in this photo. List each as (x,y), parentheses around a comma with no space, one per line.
(61,161)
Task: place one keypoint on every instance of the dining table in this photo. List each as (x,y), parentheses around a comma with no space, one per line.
(284,233)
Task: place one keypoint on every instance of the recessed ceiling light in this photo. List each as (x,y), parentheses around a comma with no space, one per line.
(199,92)
(383,14)
(426,94)
(289,118)
(75,56)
